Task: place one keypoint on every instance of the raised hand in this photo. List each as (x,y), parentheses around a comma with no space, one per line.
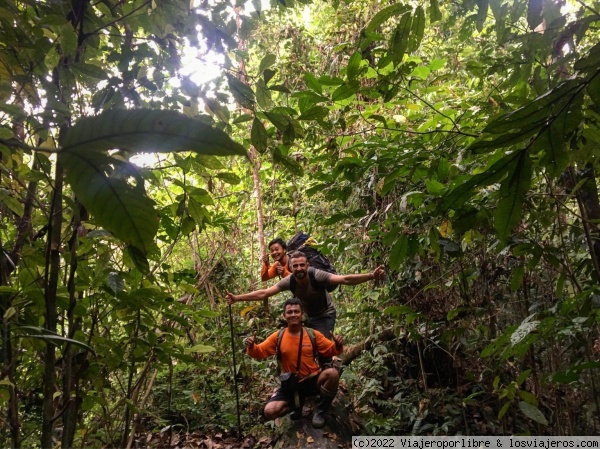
(250,341)
(379,273)
(338,340)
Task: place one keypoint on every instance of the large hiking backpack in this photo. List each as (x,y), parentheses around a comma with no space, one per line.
(306,245)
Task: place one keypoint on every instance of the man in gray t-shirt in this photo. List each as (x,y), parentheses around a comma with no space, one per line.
(311,289)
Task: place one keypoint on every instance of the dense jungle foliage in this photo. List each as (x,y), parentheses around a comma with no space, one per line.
(455,142)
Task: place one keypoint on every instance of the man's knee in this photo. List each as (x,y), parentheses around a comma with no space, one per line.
(329,375)
(275,410)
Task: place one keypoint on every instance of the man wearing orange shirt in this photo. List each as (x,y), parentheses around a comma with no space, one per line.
(278,251)
(297,358)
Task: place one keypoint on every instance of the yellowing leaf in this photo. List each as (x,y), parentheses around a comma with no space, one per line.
(248,309)
(445,228)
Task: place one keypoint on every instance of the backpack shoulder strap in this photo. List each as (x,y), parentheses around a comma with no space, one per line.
(313,341)
(293,284)
(278,349)
(313,279)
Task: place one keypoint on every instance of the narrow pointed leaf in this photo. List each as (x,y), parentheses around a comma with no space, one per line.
(345,91)
(400,38)
(115,282)
(514,188)
(535,113)
(507,140)
(267,61)
(532,412)
(457,196)
(280,121)
(434,11)
(313,83)
(50,337)
(241,92)
(482,10)
(314,113)
(263,95)
(390,11)
(289,164)
(398,252)
(353,66)
(259,136)
(418,29)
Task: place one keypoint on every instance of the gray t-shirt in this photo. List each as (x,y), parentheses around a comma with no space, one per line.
(316,300)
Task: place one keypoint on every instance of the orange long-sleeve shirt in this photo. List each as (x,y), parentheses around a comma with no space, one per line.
(289,351)
(270,271)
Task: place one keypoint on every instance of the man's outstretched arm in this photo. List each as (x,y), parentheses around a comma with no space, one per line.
(256,295)
(355,279)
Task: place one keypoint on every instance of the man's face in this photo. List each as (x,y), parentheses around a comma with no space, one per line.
(299,267)
(293,314)
(277,251)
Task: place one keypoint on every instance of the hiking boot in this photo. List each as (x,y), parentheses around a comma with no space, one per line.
(325,399)
(318,419)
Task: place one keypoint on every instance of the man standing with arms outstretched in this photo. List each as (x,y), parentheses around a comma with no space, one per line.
(310,286)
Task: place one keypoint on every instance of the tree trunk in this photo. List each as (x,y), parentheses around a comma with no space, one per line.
(50,289)
(260,220)
(71,371)
(589,206)
(354,351)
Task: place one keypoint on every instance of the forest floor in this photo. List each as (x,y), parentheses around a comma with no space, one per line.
(286,434)
(199,440)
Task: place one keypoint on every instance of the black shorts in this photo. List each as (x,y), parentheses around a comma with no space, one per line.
(307,387)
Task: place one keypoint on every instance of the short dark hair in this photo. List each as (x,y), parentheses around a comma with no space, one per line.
(278,240)
(298,254)
(292,302)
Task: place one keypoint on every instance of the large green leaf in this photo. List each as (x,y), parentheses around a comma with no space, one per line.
(267,61)
(119,206)
(288,163)
(143,130)
(111,189)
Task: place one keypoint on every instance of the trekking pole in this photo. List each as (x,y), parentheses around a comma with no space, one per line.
(237,394)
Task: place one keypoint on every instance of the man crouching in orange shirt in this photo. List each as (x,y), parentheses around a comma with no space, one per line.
(300,374)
